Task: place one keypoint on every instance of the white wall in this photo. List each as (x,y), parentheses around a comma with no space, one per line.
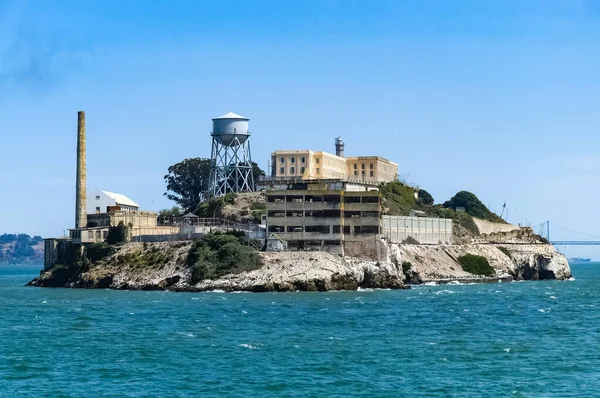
(99,199)
(424,229)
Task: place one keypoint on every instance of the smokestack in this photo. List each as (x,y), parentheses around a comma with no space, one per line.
(80,185)
(339,147)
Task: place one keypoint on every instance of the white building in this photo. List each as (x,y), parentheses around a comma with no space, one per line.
(100,202)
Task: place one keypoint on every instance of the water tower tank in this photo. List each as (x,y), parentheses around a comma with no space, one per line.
(230,129)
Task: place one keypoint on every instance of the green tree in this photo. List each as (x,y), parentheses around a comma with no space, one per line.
(425,197)
(472,206)
(172,212)
(187,182)
(257,172)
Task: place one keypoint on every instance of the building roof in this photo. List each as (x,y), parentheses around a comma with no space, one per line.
(121,199)
(190,215)
(231,115)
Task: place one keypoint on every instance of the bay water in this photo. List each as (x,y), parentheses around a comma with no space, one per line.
(520,339)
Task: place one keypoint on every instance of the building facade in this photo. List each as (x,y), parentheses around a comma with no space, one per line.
(323,220)
(310,165)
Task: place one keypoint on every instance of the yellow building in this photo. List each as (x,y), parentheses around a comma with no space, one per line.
(311,165)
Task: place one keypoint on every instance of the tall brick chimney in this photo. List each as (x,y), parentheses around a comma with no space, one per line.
(80,186)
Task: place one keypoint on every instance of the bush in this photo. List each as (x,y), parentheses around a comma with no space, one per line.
(505,251)
(118,234)
(98,251)
(425,197)
(399,198)
(477,265)
(472,206)
(410,241)
(216,255)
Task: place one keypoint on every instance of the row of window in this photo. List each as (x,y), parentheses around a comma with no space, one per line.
(326,229)
(293,170)
(362,166)
(363,173)
(293,160)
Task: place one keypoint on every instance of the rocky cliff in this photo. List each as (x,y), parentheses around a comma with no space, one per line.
(164,266)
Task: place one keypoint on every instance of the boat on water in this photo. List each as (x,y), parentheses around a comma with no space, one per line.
(579,260)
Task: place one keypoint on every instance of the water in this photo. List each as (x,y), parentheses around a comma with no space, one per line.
(512,339)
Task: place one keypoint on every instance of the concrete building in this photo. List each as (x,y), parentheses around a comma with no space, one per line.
(316,219)
(100,202)
(311,165)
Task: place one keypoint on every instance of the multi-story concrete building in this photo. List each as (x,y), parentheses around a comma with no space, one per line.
(323,219)
(311,165)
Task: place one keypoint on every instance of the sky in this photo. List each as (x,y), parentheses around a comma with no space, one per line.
(499,98)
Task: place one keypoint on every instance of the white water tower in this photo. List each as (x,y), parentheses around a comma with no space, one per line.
(230,160)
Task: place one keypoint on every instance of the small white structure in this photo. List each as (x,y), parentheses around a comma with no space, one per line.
(100,202)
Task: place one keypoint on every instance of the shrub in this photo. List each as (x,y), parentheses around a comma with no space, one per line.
(410,241)
(399,198)
(472,206)
(98,251)
(118,234)
(477,265)
(425,197)
(217,254)
(505,251)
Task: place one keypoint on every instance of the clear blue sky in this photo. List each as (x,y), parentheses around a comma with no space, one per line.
(500,98)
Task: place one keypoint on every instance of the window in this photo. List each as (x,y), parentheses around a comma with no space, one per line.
(281,171)
(293,170)
(355,166)
(97,197)
(317,160)
(97,210)
(282,160)
(362,166)
(371,173)
(371,166)
(303,159)
(293,160)
(302,170)
(318,170)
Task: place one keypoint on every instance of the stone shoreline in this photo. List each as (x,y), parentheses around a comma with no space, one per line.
(313,271)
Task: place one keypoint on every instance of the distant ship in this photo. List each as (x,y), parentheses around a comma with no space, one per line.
(579,260)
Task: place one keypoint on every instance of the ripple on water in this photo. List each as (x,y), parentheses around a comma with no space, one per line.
(449,340)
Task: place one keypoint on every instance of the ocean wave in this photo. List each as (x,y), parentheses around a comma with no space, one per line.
(250,346)
(544,310)
(445,291)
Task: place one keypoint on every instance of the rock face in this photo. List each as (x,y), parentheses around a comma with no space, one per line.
(163,266)
(511,261)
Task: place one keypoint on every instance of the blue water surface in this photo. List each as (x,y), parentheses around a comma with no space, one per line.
(508,339)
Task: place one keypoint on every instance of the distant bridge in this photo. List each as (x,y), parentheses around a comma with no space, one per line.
(563,236)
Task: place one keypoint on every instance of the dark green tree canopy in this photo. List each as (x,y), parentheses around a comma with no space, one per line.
(187,182)
(425,197)
(472,206)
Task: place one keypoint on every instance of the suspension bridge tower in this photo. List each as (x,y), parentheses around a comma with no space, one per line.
(230,160)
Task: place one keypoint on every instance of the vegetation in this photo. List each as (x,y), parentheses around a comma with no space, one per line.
(472,206)
(425,197)
(97,251)
(216,255)
(398,198)
(188,182)
(118,234)
(477,265)
(172,212)
(212,207)
(19,247)
(505,251)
